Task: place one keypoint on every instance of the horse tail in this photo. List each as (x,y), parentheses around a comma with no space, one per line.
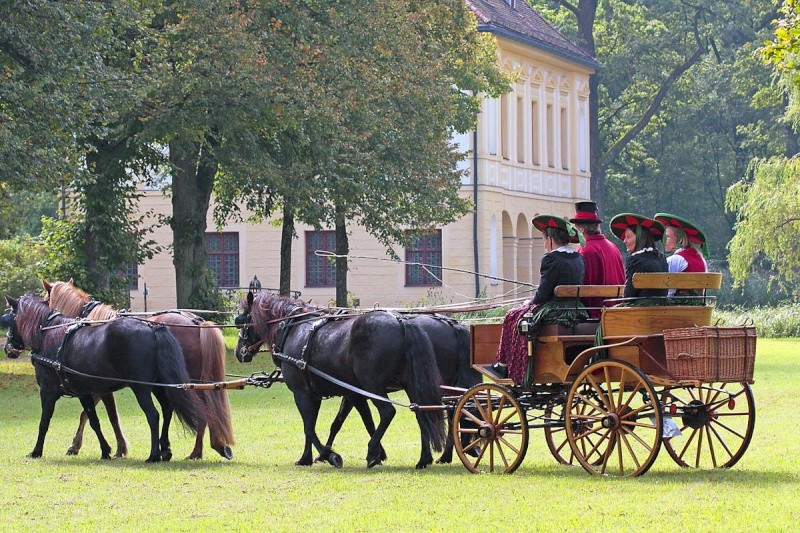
(212,346)
(171,368)
(424,381)
(466,376)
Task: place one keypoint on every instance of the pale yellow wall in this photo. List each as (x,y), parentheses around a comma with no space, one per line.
(510,192)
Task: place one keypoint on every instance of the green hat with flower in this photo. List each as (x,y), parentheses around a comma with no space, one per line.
(542,222)
(685,228)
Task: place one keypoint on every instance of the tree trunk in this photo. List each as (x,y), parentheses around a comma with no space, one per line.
(342,249)
(287,234)
(193,173)
(105,166)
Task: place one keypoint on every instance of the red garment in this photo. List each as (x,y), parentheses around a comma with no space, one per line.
(603,266)
(693,258)
(513,348)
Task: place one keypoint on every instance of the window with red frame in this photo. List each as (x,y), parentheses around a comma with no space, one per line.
(427,251)
(320,271)
(222,257)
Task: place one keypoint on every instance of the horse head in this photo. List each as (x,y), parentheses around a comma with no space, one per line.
(248,342)
(14,342)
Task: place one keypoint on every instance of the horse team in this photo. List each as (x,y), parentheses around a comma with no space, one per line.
(84,349)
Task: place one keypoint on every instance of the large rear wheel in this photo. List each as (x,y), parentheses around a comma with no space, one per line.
(716,422)
(613,420)
(490,431)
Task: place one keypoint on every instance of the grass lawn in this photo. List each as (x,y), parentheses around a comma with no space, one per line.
(262,489)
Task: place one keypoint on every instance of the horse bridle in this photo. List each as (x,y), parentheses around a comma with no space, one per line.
(245,324)
(14,343)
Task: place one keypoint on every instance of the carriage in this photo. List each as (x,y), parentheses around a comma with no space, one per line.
(657,375)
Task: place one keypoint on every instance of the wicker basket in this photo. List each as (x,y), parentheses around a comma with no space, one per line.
(710,353)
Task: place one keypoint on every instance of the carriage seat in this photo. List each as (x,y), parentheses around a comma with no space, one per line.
(583,331)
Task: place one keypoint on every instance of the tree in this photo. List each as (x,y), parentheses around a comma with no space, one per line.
(644,49)
(768,210)
(369,121)
(766,204)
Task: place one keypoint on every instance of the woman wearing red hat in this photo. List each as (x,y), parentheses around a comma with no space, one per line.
(561,265)
(639,235)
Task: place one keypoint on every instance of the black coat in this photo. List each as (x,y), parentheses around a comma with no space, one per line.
(650,261)
(558,268)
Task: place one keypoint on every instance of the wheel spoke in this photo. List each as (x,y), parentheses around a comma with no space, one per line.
(500,411)
(599,391)
(472,417)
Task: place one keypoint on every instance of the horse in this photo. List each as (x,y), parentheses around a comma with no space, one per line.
(450,340)
(203,348)
(73,358)
(374,352)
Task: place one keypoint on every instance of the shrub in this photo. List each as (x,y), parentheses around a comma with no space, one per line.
(19,272)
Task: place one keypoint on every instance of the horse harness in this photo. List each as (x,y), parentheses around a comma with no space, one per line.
(67,389)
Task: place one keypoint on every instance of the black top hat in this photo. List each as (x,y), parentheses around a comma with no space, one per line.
(585,213)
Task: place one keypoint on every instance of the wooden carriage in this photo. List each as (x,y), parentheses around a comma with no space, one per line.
(661,375)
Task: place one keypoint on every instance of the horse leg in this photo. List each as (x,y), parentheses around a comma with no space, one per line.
(88,403)
(309,406)
(197,451)
(447,453)
(77,440)
(425,456)
(386,412)
(344,410)
(48,400)
(113,417)
(362,406)
(145,400)
(166,411)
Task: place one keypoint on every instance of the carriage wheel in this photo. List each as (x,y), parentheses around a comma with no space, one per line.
(716,422)
(613,421)
(556,435)
(490,431)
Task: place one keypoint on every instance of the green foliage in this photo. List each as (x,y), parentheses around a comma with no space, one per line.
(768,214)
(19,266)
(209,297)
(774,322)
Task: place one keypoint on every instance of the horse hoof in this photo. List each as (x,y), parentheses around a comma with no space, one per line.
(192,457)
(72,451)
(34,455)
(444,460)
(119,455)
(105,457)
(226,452)
(423,464)
(374,462)
(166,456)
(303,462)
(336,460)
(151,459)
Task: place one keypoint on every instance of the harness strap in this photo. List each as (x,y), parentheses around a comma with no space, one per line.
(302,365)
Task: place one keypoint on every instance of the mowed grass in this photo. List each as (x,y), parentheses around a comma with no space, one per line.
(263,489)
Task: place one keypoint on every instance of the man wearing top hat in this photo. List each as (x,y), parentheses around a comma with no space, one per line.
(603,261)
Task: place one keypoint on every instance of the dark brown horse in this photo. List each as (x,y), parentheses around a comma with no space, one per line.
(375,352)
(76,359)
(203,348)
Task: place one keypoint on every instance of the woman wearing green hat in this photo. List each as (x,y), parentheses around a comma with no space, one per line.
(561,265)
(685,242)
(639,234)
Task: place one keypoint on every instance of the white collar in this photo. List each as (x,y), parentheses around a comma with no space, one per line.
(565,248)
(648,249)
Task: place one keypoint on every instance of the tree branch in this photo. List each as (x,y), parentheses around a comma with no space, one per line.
(667,84)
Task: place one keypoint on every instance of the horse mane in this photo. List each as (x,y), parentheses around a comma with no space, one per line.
(69,299)
(33,310)
(268,307)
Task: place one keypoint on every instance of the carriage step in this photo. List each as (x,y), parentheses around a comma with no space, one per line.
(486,370)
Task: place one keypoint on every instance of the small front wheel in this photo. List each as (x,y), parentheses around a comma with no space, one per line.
(613,420)
(490,431)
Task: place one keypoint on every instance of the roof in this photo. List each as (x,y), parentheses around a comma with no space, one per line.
(525,25)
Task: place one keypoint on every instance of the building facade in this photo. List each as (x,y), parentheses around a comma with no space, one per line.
(529,154)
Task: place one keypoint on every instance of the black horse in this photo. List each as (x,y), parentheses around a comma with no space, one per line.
(450,341)
(71,358)
(376,352)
